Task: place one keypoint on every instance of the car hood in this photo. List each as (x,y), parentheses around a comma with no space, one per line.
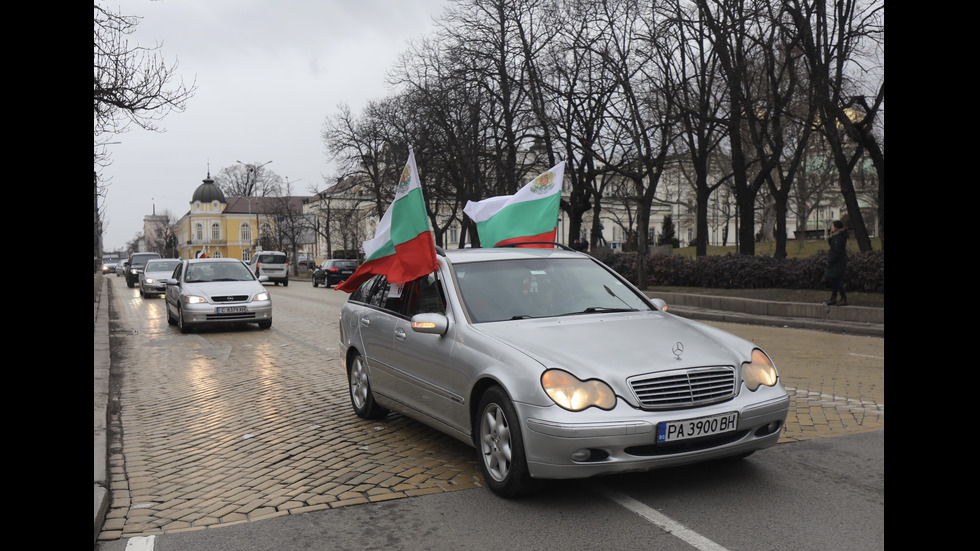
(616,346)
(219,288)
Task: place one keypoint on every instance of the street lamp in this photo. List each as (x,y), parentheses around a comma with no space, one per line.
(249,190)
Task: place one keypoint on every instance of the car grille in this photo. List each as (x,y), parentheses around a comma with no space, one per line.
(684,388)
(229,298)
(235,316)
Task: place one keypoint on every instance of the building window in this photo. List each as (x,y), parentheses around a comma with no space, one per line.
(453,234)
(199,231)
(246,234)
(246,255)
(215,232)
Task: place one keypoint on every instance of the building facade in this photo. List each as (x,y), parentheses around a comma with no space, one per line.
(233,227)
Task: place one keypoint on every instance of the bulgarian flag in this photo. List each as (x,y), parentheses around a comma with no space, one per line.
(402,248)
(531,214)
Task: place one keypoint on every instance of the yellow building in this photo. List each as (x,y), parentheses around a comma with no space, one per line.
(235,227)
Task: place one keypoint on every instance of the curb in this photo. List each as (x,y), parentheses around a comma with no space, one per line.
(853,320)
(101,377)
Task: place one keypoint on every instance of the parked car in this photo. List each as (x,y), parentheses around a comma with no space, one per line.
(154,276)
(134,266)
(307,263)
(205,291)
(552,365)
(272,264)
(333,271)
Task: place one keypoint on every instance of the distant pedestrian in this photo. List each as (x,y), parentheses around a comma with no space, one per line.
(836,262)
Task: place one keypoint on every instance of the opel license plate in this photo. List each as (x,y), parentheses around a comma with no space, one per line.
(230,310)
(694,428)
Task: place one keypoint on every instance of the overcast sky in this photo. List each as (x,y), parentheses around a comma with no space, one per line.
(269,73)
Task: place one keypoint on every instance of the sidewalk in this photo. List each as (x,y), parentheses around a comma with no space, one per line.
(853,320)
(101,378)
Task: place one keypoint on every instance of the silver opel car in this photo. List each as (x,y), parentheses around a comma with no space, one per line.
(208,291)
(553,366)
(152,280)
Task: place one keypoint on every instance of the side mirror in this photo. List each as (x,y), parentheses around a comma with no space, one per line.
(433,324)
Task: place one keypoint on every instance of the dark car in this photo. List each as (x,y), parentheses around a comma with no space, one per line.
(135,265)
(333,271)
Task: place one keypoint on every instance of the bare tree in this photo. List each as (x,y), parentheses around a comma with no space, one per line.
(133,85)
(164,239)
(842,41)
(249,180)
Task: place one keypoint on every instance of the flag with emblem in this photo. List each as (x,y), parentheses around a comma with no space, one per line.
(529,215)
(403,248)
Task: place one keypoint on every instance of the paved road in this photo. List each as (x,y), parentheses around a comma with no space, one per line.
(233,426)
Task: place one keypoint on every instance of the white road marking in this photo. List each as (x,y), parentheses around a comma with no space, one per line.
(140,543)
(666,523)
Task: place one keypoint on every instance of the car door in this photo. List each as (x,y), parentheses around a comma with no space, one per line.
(375,327)
(430,381)
(173,291)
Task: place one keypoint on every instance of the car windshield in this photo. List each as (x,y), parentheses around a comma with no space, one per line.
(272,259)
(203,272)
(161,265)
(534,288)
(141,260)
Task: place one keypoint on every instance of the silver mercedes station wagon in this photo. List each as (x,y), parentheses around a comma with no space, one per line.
(553,366)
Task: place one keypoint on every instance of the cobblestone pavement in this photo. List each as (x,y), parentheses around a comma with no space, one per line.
(232,426)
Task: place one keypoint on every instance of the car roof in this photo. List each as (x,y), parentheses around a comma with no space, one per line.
(209,260)
(458,256)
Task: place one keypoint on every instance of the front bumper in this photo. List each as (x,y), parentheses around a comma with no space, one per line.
(625,439)
(209,313)
(154,288)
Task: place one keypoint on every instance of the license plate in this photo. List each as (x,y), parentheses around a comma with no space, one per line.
(231,310)
(695,428)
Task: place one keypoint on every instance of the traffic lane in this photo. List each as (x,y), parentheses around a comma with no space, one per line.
(820,494)
(282,394)
(826,493)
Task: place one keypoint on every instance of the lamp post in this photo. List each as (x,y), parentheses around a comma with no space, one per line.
(249,189)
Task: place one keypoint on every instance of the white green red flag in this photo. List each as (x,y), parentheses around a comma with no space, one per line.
(529,215)
(403,248)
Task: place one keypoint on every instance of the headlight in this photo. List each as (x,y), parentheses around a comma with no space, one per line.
(759,371)
(573,394)
(262,296)
(191,299)
(148,280)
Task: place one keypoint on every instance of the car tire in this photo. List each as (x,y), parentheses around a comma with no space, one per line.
(170,319)
(142,293)
(500,444)
(184,328)
(265,324)
(315,283)
(130,284)
(361,397)
(285,283)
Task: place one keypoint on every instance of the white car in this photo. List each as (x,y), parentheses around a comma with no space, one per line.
(211,291)
(552,365)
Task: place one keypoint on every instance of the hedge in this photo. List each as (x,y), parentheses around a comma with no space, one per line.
(865,272)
